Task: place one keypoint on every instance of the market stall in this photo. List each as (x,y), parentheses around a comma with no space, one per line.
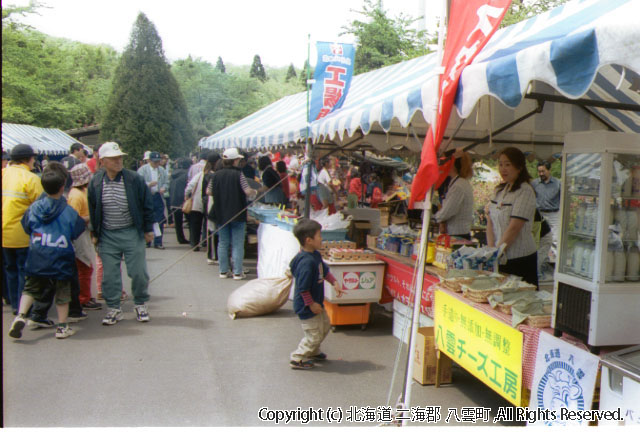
(572,69)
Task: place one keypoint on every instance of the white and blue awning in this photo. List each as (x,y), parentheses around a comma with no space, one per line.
(48,141)
(584,49)
(571,48)
(394,93)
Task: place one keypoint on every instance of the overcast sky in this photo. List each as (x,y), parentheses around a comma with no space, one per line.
(236,30)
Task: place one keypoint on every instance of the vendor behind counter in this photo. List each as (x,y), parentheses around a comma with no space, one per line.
(456,215)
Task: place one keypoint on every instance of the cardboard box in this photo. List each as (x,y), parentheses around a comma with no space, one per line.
(424,368)
(401,324)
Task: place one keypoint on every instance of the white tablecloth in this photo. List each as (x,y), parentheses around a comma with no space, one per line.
(276,249)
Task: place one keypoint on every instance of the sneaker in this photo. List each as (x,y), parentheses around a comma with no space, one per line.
(40,324)
(319,357)
(16,327)
(239,276)
(211,262)
(92,305)
(142,314)
(77,317)
(224,275)
(64,332)
(159,247)
(301,364)
(113,316)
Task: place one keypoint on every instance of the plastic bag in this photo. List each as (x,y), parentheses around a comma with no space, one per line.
(259,297)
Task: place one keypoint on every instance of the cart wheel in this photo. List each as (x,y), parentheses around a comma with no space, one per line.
(333,329)
(363,327)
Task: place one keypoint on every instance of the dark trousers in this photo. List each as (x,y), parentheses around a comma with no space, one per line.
(75,308)
(525,267)
(158,216)
(196,220)
(212,246)
(177,218)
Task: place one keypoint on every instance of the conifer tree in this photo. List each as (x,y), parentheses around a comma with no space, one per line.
(220,65)
(303,75)
(146,110)
(291,73)
(257,70)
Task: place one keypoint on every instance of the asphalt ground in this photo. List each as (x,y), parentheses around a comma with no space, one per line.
(193,366)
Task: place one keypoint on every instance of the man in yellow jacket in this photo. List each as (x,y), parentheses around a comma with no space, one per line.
(20,188)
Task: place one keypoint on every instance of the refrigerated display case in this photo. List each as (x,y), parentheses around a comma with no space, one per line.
(597,285)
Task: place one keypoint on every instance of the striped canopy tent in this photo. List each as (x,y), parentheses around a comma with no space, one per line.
(574,68)
(49,141)
(577,64)
(387,99)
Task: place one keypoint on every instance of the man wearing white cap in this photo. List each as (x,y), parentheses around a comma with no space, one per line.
(121,212)
(230,191)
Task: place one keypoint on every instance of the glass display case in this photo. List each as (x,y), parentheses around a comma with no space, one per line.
(598,275)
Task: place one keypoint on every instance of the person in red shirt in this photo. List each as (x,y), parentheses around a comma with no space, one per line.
(355,188)
(92,163)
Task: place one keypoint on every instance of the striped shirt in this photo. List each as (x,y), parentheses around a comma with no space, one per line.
(115,207)
(519,204)
(457,208)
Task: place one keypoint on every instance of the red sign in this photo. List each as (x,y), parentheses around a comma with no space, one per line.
(397,281)
(471,25)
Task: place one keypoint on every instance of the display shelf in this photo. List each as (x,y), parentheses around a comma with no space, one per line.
(582,235)
(583,193)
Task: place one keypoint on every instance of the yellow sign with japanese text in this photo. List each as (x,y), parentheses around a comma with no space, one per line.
(482,345)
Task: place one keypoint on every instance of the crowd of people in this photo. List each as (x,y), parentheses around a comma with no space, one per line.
(126,211)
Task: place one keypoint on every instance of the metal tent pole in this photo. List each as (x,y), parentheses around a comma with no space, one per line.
(426,218)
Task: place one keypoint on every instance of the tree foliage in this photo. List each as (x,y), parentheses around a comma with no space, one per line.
(520,11)
(216,100)
(303,75)
(51,82)
(382,41)
(291,73)
(146,109)
(220,65)
(257,70)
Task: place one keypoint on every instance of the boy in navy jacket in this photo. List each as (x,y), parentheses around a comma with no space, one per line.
(51,225)
(310,272)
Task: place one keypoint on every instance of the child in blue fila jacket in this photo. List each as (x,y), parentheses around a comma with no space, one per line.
(51,225)
(310,272)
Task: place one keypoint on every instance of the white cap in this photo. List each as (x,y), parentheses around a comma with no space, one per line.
(147,155)
(231,154)
(110,149)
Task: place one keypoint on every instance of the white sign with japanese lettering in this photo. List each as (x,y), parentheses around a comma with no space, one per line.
(563,382)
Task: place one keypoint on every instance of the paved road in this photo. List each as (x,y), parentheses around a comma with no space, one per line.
(203,369)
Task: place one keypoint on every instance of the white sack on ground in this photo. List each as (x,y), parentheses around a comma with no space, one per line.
(259,297)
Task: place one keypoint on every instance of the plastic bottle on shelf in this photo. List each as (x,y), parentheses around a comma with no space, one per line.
(608,275)
(632,224)
(580,217)
(576,263)
(620,266)
(621,219)
(626,187)
(633,264)
(587,263)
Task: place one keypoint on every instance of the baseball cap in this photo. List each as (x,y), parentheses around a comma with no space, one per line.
(231,154)
(110,149)
(155,156)
(22,151)
(80,175)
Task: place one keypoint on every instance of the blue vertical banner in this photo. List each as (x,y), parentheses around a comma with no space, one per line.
(332,76)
